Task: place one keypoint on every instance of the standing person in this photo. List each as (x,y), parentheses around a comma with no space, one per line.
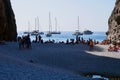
(39,38)
(23,42)
(77,39)
(28,41)
(91,44)
(20,42)
(36,38)
(67,41)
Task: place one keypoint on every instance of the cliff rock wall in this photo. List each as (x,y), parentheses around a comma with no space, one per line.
(8,30)
(113,33)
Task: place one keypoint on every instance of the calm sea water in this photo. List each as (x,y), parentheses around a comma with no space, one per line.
(99,36)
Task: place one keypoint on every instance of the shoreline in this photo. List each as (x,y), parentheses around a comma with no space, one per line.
(68,35)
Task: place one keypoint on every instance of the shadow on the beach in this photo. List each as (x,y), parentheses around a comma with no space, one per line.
(79,61)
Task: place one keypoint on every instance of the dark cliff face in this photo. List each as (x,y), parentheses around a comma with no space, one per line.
(113,33)
(8,30)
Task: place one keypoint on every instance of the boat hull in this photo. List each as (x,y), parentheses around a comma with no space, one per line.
(87,32)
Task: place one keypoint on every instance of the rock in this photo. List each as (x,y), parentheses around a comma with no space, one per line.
(8,30)
(113,33)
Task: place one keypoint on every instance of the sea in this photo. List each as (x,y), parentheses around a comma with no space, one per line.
(98,36)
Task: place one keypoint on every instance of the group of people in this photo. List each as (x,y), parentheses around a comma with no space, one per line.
(24,42)
(105,42)
(38,39)
(89,42)
(114,48)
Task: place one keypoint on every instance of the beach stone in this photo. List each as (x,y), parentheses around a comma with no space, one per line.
(8,31)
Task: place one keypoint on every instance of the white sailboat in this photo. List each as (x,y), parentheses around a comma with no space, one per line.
(40,32)
(50,27)
(36,31)
(56,31)
(77,32)
(27,32)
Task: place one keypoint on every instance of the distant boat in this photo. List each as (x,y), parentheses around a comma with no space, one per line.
(77,32)
(87,32)
(41,33)
(27,32)
(50,26)
(35,32)
(48,34)
(55,32)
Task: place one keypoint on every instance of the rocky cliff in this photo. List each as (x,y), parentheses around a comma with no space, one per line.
(113,33)
(8,30)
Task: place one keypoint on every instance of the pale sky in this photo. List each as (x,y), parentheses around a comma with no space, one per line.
(93,14)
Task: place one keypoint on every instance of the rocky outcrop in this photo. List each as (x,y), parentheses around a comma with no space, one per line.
(8,30)
(113,33)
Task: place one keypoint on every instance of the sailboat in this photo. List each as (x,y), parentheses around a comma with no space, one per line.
(50,27)
(55,32)
(40,32)
(27,32)
(35,32)
(77,32)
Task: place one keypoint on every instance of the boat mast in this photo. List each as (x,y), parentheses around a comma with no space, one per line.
(55,24)
(78,22)
(38,22)
(35,23)
(29,26)
(50,25)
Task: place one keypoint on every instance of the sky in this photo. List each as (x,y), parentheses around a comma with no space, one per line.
(93,14)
